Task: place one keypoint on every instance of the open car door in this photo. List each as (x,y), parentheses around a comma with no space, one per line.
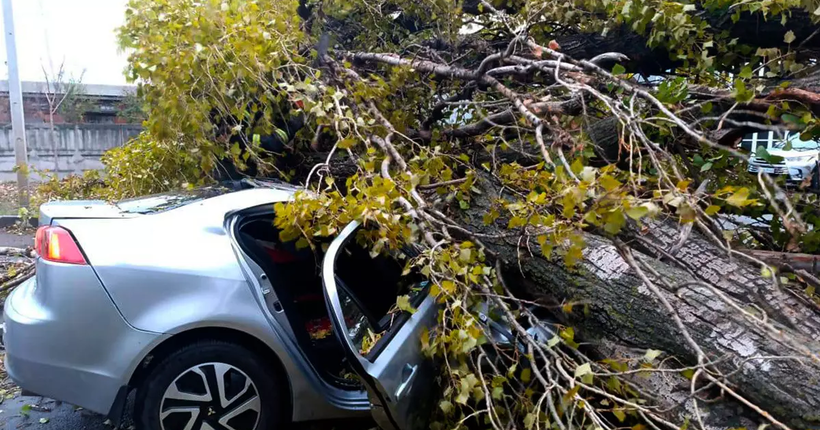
(383,344)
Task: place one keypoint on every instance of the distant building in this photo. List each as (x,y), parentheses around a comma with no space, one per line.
(104,104)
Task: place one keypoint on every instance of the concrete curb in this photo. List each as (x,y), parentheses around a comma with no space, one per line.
(10,220)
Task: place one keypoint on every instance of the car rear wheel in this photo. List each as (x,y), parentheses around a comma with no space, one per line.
(211,385)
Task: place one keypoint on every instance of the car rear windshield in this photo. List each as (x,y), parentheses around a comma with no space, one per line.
(157,203)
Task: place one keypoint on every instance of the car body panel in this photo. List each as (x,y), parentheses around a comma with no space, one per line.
(78,209)
(177,270)
(45,355)
(400,377)
(183,256)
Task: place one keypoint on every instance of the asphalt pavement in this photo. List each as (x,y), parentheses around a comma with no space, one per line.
(37,413)
(16,240)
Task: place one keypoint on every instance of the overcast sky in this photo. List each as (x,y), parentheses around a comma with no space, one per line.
(79,31)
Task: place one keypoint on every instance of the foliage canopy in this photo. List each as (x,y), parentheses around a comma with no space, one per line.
(500,136)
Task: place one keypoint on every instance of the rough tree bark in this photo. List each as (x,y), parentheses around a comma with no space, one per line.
(622,313)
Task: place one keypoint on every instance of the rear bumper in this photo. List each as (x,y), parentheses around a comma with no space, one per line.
(68,341)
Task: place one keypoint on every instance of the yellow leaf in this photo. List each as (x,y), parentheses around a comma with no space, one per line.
(712,210)
(740,198)
(609,183)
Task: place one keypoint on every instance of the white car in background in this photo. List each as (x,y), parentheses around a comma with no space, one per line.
(798,160)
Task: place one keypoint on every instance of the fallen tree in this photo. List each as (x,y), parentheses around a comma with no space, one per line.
(573,157)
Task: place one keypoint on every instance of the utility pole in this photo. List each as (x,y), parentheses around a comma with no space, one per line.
(18,123)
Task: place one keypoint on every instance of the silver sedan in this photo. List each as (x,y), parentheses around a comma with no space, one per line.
(191,300)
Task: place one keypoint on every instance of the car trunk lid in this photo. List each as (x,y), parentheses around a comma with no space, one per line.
(71,209)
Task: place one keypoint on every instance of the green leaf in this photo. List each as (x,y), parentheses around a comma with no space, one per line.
(619,414)
(789,37)
(236,150)
(282,135)
(707,107)
(637,212)
(788,146)
(463,397)
(526,375)
(792,119)
(615,221)
(583,370)
(706,167)
(746,73)
(673,90)
(43,420)
(25,410)
(577,166)
(403,303)
(618,69)
(446,406)
(497,393)
(529,421)
(651,355)
(741,94)
(763,153)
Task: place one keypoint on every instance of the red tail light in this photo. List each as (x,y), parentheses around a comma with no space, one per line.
(56,244)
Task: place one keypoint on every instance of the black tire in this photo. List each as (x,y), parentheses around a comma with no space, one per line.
(193,369)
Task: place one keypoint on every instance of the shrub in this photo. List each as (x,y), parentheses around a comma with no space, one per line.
(144,166)
(141,166)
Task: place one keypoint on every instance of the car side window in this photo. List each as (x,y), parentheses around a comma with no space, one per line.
(369,288)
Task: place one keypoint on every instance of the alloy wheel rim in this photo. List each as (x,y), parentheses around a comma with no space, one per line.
(211,396)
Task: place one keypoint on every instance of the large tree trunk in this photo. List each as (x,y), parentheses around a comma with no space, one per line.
(623,313)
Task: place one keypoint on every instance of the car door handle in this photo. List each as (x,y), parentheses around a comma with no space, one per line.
(408,374)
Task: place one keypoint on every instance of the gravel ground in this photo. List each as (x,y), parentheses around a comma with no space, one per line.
(8,198)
